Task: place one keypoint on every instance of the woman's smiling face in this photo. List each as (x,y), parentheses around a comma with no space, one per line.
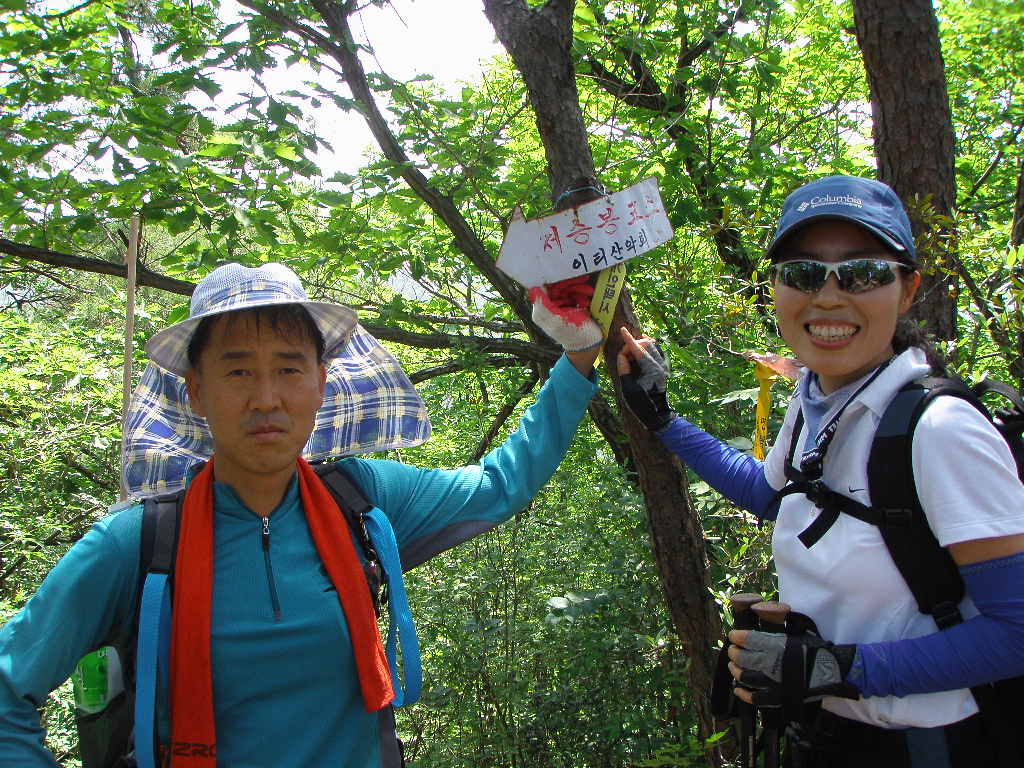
(840,336)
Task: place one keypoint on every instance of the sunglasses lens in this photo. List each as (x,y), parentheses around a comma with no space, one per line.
(855,275)
(806,276)
(860,275)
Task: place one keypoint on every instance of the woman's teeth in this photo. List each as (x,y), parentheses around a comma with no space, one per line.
(831,332)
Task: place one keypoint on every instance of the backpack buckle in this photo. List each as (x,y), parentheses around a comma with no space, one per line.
(816,493)
(897,517)
(946,614)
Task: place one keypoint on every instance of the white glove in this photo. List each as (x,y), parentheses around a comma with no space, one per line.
(562,310)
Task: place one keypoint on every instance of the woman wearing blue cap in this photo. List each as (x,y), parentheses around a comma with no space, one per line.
(892,688)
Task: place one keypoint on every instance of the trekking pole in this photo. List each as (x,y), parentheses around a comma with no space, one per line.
(744,618)
(771,617)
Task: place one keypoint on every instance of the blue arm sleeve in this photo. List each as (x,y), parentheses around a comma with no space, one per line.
(90,591)
(983,649)
(434,509)
(734,474)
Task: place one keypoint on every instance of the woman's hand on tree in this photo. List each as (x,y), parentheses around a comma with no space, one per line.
(643,373)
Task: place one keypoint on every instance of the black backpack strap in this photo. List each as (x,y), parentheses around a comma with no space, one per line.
(828,501)
(927,567)
(158,549)
(1009,421)
(793,474)
(795,480)
(158,545)
(354,506)
(161,518)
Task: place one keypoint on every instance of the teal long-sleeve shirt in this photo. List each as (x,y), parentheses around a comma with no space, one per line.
(285,689)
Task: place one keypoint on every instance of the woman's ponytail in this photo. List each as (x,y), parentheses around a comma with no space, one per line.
(910,334)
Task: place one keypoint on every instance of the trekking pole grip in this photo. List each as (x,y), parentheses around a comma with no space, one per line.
(771,615)
(740,605)
(772,618)
(746,728)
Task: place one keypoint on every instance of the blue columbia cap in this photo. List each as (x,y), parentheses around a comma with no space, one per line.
(867,202)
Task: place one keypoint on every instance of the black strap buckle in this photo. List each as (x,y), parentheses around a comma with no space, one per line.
(946,614)
(817,493)
(897,517)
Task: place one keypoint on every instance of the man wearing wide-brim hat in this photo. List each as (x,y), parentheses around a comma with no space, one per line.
(275,657)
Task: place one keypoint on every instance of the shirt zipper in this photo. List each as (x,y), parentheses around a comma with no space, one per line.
(274,602)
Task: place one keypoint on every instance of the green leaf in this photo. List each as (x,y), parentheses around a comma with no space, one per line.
(219,150)
(286,152)
(333,198)
(278,112)
(737,395)
(583,14)
(207,86)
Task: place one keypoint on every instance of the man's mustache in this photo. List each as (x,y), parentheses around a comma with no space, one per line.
(264,424)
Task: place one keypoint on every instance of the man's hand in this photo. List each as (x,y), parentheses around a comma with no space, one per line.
(643,372)
(562,310)
(771,665)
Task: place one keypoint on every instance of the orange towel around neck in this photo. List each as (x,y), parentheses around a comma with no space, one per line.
(193,730)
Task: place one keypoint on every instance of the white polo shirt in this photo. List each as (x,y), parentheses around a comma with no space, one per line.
(847,582)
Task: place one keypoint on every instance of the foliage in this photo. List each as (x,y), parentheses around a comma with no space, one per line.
(60,435)
(546,642)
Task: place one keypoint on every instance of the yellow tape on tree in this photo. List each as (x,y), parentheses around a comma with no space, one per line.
(606,295)
(765,377)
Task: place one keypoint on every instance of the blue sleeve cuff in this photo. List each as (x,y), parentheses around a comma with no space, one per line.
(734,474)
(985,648)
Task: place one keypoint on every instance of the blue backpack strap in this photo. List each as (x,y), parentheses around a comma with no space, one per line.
(160,519)
(400,624)
(373,530)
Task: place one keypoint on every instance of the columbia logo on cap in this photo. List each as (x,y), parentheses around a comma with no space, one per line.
(866,202)
(814,202)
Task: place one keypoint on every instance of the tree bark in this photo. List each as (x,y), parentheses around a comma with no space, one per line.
(1017,227)
(913,136)
(539,40)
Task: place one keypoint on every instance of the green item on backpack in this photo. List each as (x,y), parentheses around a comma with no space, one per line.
(97,680)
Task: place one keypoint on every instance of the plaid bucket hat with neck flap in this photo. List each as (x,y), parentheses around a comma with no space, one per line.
(369,403)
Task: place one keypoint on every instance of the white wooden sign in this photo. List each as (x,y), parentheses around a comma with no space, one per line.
(592,237)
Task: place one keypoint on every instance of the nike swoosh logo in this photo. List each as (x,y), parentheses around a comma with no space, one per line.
(855,490)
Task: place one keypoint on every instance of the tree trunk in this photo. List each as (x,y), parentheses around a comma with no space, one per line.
(913,135)
(1016,241)
(539,40)
(1017,226)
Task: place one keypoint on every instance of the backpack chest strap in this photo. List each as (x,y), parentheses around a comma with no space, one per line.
(831,504)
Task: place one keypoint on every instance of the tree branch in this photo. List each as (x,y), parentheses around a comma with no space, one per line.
(502,416)
(454,366)
(69,11)
(988,171)
(1017,226)
(621,89)
(85,264)
(524,350)
(497,326)
(645,93)
(610,426)
(545,354)
(342,48)
(89,474)
(688,56)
